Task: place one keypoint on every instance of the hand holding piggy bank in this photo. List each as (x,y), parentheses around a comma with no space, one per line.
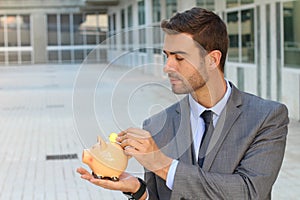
(106,160)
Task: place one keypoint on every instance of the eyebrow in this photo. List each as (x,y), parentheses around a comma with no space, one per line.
(175,52)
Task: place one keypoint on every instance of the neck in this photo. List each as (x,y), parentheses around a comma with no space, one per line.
(211,93)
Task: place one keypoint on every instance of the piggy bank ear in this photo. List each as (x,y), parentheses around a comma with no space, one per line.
(101,141)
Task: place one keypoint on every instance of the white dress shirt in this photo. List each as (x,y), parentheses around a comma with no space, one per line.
(198,126)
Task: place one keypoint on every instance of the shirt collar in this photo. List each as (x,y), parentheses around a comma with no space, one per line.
(197,109)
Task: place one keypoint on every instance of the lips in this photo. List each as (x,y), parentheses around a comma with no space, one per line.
(174,78)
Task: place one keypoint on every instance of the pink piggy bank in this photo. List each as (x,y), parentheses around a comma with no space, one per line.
(106,160)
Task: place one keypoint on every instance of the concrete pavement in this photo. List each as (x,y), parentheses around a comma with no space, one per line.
(36,121)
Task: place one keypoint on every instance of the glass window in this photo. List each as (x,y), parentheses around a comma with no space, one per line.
(91,28)
(11,21)
(171,6)
(157,39)
(247,1)
(13,57)
(2,21)
(2,57)
(232,3)
(241,36)
(65,29)
(291,12)
(141,11)
(79,55)
(122,18)
(66,55)
(233,33)
(25,30)
(156,10)
(248,36)
(26,57)
(142,40)
(52,29)
(53,56)
(207,4)
(235,3)
(77,30)
(129,16)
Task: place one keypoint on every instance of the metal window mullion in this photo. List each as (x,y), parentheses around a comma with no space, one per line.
(58,37)
(19,38)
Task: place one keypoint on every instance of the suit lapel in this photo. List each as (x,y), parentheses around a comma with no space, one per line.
(182,129)
(227,118)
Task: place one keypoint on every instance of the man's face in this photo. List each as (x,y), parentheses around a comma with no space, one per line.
(185,66)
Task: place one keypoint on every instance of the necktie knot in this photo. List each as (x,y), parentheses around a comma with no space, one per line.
(207,116)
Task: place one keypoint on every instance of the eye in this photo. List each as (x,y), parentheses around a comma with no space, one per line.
(179,58)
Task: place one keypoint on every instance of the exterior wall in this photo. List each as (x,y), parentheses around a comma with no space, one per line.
(38,49)
(265,73)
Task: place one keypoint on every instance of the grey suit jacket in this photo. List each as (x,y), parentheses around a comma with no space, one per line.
(244,154)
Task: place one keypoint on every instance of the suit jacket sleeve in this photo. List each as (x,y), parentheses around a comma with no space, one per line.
(256,170)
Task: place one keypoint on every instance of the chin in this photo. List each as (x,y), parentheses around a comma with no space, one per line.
(180,90)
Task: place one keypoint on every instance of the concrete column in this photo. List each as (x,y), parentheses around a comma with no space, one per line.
(39,37)
(263,51)
(273,51)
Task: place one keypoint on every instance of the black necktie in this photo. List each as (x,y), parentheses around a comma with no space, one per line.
(209,129)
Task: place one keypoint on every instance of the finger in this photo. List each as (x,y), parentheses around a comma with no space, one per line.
(122,133)
(131,151)
(107,184)
(137,132)
(84,174)
(131,136)
(82,171)
(131,143)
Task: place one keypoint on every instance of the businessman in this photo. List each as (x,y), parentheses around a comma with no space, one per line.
(217,142)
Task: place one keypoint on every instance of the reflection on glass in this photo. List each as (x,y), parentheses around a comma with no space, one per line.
(142,40)
(65,29)
(231,3)
(141,12)
(232,23)
(235,3)
(26,57)
(207,4)
(291,12)
(171,8)
(52,29)
(156,10)
(129,15)
(157,39)
(66,55)
(91,28)
(25,30)
(11,22)
(13,57)
(77,33)
(247,1)
(2,43)
(248,36)
(122,18)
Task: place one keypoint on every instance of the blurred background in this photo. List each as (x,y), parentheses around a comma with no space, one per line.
(264,55)
(44,45)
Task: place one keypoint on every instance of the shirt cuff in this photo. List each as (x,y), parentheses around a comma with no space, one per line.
(171,174)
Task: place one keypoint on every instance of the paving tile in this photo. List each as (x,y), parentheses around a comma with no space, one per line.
(36,120)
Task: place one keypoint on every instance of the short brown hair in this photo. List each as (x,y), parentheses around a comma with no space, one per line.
(206,27)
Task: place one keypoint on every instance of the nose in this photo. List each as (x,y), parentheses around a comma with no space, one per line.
(170,65)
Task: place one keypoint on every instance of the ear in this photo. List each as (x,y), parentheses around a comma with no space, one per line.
(214,59)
